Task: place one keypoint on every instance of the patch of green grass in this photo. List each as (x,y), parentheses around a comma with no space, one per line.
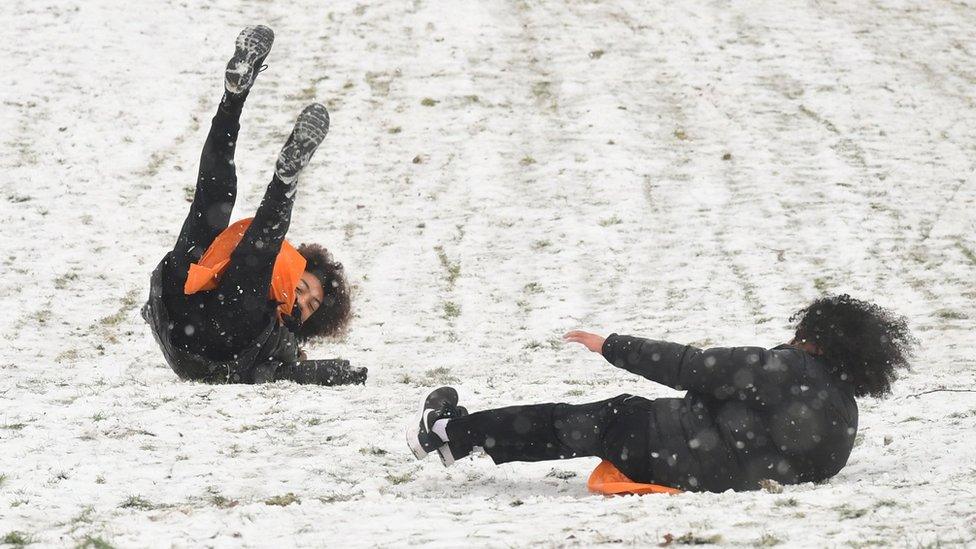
(283,500)
(820,284)
(452,269)
(17,538)
(692,539)
(99,416)
(62,281)
(218,500)
(373,451)
(451,309)
(970,255)
(13,426)
(92,542)
(612,220)
(126,304)
(526,161)
(395,478)
(949,314)
(532,288)
(440,376)
(428,102)
(847,512)
(137,502)
(540,245)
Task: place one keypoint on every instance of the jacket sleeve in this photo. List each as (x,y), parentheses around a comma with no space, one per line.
(316,372)
(750,374)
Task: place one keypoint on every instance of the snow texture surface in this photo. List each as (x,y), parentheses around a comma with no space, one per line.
(497,173)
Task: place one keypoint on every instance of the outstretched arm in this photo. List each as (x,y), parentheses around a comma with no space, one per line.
(750,374)
(312,372)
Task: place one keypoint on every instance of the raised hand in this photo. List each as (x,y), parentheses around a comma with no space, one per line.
(592,342)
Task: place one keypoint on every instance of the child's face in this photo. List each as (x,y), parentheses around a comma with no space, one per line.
(308,295)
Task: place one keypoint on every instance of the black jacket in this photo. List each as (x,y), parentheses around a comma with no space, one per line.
(748,414)
(272,356)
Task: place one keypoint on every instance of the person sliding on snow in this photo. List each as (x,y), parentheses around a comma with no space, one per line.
(748,414)
(230,304)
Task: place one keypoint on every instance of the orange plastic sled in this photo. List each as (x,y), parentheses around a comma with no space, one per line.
(609,481)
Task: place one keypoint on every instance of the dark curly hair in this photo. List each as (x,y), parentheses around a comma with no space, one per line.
(861,341)
(333,314)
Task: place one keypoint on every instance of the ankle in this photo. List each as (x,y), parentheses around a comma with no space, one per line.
(232,103)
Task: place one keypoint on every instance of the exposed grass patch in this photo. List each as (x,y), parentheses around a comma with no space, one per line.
(93,542)
(532,288)
(949,314)
(13,426)
(439,376)
(451,268)
(451,309)
(969,254)
(540,245)
(847,512)
(126,304)
(526,161)
(62,281)
(137,502)
(399,478)
(373,451)
(218,500)
(283,500)
(691,538)
(428,102)
(17,538)
(612,220)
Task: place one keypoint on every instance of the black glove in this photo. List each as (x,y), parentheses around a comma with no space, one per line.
(321,372)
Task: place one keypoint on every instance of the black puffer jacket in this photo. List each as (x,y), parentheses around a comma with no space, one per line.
(272,356)
(749,414)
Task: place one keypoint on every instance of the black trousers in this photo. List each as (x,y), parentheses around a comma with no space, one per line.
(221,322)
(616,429)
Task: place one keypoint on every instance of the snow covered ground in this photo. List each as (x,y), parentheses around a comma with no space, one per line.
(497,173)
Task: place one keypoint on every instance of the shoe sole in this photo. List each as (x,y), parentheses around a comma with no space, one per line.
(310,130)
(413,433)
(251,47)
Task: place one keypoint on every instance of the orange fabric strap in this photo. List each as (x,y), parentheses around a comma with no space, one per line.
(206,273)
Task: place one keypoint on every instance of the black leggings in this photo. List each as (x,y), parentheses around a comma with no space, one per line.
(220,323)
(615,429)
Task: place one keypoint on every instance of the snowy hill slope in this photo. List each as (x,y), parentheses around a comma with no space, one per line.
(497,173)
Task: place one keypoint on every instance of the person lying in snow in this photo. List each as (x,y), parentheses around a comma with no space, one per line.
(748,414)
(231,304)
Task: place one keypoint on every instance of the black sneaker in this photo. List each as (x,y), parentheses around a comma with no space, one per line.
(252,46)
(439,404)
(310,129)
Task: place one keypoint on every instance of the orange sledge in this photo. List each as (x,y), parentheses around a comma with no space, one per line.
(609,481)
